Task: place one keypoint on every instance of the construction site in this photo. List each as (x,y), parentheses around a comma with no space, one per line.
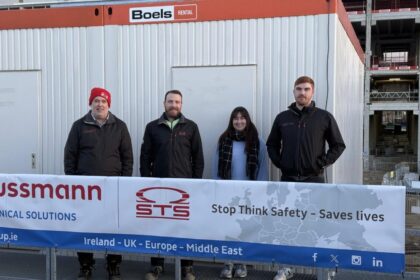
(389,34)
(370,84)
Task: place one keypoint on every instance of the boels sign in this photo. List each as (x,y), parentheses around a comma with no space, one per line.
(163,13)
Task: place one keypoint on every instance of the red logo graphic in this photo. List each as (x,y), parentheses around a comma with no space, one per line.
(163,203)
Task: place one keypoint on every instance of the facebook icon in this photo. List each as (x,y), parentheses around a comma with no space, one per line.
(315,256)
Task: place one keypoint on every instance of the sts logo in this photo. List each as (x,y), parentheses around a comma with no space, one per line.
(163,203)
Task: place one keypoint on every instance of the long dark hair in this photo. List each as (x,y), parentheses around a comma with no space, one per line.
(250,132)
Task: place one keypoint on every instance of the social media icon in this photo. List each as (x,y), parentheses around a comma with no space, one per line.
(356,260)
(315,256)
(334,259)
(377,262)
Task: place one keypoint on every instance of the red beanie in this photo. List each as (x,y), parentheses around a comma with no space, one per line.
(100,92)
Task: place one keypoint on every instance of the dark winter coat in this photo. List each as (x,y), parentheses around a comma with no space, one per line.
(172,153)
(98,150)
(296,143)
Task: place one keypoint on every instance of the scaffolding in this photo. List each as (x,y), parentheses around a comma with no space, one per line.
(378,5)
(401,96)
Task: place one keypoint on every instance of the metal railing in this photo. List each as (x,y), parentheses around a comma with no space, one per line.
(382,5)
(401,96)
(380,61)
(260,270)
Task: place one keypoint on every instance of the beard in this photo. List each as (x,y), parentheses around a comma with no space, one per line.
(172,112)
(303,101)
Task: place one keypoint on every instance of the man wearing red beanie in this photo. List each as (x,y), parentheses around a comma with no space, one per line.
(99,145)
(95,92)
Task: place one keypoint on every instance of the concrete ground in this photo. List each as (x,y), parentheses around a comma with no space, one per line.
(24,265)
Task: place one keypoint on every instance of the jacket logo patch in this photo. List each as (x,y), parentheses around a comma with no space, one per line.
(89,130)
(182,133)
(288,124)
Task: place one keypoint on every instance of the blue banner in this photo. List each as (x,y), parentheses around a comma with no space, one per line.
(317,225)
(208,249)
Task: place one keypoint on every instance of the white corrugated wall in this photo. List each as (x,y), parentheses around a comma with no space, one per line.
(71,61)
(134,62)
(282,49)
(347,108)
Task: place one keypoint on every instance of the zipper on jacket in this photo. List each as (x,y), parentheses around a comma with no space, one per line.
(298,152)
(301,125)
(171,144)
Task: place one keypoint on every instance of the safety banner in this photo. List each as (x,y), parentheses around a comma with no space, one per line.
(319,225)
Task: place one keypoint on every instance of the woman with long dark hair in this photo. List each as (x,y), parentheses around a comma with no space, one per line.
(240,155)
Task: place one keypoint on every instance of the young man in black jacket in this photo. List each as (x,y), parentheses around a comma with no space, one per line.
(99,145)
(296,143)
(171,148)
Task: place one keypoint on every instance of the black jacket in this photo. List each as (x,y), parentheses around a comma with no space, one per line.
(296,143)
(171,153)
(98,151)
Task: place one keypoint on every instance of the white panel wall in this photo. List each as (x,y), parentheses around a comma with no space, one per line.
(282,48)
(347,108)
(134,63)
(71,62)
(210,94)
